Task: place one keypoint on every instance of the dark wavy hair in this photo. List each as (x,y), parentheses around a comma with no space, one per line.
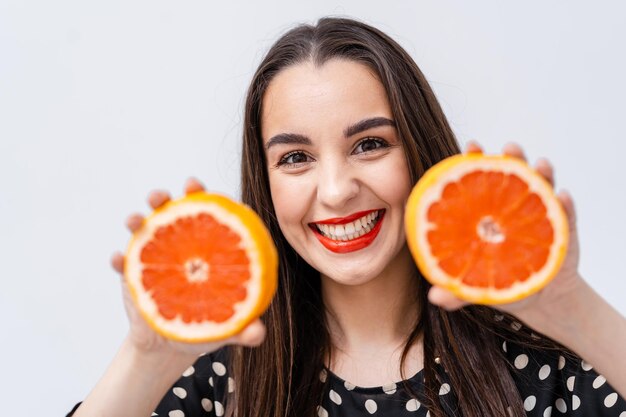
(280,378)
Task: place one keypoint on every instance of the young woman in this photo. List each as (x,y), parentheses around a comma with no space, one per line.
(339,120)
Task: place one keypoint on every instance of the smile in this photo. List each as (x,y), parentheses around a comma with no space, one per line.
(348,234)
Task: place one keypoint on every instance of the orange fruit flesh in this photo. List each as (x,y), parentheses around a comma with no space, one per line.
(201,268)
(185,265)
(490,229)
(487,228)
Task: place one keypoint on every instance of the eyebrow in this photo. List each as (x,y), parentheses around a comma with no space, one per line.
(366,124)
(358,127)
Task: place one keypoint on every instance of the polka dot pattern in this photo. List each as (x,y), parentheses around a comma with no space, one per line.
(550,384)
(521,361)
(530,402)
(180,392)
(412,405)
(371,406)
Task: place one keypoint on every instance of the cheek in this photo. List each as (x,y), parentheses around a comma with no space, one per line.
(289,205)
(392,181)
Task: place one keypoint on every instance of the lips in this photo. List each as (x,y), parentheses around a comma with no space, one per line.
(351,233)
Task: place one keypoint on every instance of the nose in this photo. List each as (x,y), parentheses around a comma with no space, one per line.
(337,184)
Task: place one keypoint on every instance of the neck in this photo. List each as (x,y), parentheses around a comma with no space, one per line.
(376,317)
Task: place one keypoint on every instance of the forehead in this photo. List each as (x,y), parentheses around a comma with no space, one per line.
(306,98)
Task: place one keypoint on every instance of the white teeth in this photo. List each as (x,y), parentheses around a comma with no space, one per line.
(352,230)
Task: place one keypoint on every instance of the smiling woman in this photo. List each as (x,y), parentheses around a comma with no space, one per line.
(339,125)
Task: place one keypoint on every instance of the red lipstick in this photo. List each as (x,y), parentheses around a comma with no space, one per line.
(348,219)
(339,246)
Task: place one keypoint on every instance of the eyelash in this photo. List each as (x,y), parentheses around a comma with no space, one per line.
(284,160)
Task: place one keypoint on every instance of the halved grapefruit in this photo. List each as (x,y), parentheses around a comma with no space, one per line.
(487,228)
(201,268)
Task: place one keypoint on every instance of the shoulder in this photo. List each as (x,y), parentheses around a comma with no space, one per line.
(201,389)
(556,382)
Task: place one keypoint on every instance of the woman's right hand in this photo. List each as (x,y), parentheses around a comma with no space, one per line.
(147,364)
(141,335)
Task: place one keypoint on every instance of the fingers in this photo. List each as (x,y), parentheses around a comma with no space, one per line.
(473,147)
(193,185)
(445,299)
(252,335)
(544,167)
(117,262)
(157,198)
(568,205)
(514,150)
(134,222)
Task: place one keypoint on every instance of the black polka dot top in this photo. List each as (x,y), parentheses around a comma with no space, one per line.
(549,384)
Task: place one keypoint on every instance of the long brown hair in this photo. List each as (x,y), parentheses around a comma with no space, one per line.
(281,377)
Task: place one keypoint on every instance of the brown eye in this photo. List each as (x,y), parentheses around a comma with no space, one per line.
(293,158)
(370,144)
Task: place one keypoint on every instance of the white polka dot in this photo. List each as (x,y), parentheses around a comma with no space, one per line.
(445,388)
(323,375)
(231,385)
(176,413)
(610,400)
(622,414)
(189,371)
(570,383)
(504,346)
(586,366)
(180,392)
(561,363)
(207,405)
(547,412)
(349,386)
(321,411)
(575,402)
(530,402)
(560,405)
(334,397)
(516,325)
(598,382)
(412,405)
(544,372)
(371,406)
(390,388)
(521,361)
(154,414)
(211,381)
(219,368)
(219,409)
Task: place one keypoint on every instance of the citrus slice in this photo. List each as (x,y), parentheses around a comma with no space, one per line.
(201,268)
(487,228)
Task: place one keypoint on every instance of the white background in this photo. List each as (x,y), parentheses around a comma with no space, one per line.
(102,101)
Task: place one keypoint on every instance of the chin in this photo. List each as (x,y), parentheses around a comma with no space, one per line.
(352,276)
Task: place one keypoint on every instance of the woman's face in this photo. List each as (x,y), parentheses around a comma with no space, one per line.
(338,175)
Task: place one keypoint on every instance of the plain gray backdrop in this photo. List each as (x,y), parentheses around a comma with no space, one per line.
(101,102)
